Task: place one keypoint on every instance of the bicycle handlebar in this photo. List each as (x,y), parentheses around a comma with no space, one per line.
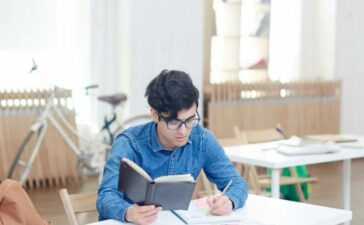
(91,86)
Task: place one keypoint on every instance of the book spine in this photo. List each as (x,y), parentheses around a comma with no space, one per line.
(149,198)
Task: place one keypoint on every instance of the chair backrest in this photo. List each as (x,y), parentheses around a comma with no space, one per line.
(203,186)
(227,142)
(257,136)
(77,203)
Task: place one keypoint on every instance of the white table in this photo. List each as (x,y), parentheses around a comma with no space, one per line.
(254,154)
(270,211)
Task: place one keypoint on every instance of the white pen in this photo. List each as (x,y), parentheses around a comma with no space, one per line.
(226,187)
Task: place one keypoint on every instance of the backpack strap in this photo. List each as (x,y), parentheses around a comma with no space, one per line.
(4,188)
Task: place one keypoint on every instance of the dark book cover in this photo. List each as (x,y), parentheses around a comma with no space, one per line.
(171,195)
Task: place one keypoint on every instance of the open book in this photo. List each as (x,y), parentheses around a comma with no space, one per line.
(171,192)
(199,213)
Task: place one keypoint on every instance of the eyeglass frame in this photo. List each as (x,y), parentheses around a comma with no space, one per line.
(167,120)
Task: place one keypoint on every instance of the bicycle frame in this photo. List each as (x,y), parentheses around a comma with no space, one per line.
(40,126)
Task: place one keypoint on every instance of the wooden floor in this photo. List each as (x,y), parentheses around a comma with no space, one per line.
(328,192)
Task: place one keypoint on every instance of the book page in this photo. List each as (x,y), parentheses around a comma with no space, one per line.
(175,178)
(199,213)
(137,168)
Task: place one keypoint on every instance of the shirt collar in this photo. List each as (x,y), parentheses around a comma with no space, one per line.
(156,145)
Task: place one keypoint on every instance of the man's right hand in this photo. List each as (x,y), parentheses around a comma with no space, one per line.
(142,215)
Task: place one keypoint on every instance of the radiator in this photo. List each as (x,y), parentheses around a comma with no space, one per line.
(299,107)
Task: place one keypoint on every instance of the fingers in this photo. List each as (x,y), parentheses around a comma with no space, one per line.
(215,200)
(219,201)
(144,208)
(149,219)
(151,212)
(210,201)
(220,205)
(142,215)
(221,209)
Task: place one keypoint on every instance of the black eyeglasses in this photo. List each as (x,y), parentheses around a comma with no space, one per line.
(175,124)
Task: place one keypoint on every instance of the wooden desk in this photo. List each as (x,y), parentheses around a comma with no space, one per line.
(254,154)
(270,211)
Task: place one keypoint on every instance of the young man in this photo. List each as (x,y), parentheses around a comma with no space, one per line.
(174,143)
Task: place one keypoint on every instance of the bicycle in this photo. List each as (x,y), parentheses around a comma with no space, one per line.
(116,100)
(88,162)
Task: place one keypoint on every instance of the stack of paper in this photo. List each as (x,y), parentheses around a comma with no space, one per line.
(299,146)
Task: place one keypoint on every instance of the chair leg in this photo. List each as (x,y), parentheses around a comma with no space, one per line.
(298,186)
(251,176)
(246,172)
(255,177)
(206,183)
(239,168)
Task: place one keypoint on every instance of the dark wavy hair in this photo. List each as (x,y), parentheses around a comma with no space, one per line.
(171,91)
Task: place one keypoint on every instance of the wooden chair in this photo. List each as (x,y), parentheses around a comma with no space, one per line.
(203,186)
(258,182)
(77,203)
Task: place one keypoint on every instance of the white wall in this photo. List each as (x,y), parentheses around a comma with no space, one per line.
(104,55)
(19,19)
(164,34)
(349,63)
(54,33)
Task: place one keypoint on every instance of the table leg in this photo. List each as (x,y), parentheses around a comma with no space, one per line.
(275,183)
(346,184)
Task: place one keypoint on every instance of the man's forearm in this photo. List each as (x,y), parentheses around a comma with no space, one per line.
(112,207)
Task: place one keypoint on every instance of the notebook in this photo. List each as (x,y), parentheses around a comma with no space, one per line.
(198,213)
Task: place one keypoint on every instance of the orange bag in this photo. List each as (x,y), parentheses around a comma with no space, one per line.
(16,208)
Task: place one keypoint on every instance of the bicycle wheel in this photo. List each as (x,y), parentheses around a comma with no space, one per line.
(135,120)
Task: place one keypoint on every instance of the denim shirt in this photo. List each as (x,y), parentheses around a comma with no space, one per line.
(141,145)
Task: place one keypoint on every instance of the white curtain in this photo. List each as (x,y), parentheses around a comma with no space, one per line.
(108,31)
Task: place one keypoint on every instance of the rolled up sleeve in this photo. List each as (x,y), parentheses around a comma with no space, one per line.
(220,170)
